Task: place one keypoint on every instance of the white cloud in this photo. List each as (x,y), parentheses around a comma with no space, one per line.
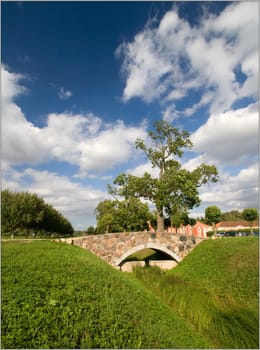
(231,192)
(64,94)
(234,192)
(250,68)
(168,61)
(139,65)
(230,137)
(10,86)
(81,140)
(142,168)
(110,147)
(194,162)
(20,138)
(74,200)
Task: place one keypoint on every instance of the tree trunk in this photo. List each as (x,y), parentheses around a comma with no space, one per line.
(159,212)
(160,221)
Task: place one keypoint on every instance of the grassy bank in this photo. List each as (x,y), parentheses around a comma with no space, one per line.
(215,289)
(60,296)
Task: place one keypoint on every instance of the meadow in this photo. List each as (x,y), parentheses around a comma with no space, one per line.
(215,289)
(60,296)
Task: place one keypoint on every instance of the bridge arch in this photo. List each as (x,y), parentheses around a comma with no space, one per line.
(155,246)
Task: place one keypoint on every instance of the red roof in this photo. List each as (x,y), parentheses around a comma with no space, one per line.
(233,224)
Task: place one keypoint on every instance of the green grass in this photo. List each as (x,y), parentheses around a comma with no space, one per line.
(215,289)
(60,296)
(146,254)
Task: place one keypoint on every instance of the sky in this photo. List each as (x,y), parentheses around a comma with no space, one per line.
(81,81)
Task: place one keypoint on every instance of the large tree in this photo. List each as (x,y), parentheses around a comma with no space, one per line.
(175,188)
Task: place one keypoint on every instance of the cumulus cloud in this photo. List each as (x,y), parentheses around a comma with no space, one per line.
(168,61)
(20,138)
(72,199)
(144,168)
(10,84)
(234,191)
(83,140)
(230,137)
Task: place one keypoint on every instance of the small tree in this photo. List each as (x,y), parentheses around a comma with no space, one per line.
(213,215)
(250,215)
(91,230)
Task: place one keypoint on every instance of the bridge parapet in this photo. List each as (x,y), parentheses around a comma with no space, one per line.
(115,247)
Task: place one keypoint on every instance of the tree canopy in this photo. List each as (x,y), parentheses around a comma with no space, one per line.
(175,189)
(250,215)
(126,215)
(212,215)
(24,211)
(232,215)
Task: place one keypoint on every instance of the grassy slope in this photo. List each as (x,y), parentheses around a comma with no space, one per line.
(215,289)
(60,296)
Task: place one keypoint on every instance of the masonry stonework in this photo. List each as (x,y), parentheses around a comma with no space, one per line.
(114,248)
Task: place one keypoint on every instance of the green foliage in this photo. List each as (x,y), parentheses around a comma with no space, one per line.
(181,217)
(212,215)
(233,215)
(215,288)
(91,230)
(250,215)
(175,188)
(167,141)
(126,215)
(60,296)
(24,212)
(20,210)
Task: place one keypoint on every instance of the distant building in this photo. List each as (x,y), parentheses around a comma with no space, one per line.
(236,225)
(198,230)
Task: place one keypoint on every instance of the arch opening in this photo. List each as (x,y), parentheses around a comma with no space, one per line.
(156,247)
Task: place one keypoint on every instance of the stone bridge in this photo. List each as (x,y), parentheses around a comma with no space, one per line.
(114,248)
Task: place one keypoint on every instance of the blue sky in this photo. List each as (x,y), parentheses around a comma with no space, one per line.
(82,80)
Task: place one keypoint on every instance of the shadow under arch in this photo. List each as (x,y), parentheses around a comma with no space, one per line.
(154,246)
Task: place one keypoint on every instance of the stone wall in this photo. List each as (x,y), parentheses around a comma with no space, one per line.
(115,247)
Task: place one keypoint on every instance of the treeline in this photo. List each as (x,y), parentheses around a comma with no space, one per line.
(214,215)
(233,215)
(131,215)
(25,213)
(134,215)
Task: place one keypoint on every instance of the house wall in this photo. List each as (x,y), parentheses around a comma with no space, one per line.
(198,230)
